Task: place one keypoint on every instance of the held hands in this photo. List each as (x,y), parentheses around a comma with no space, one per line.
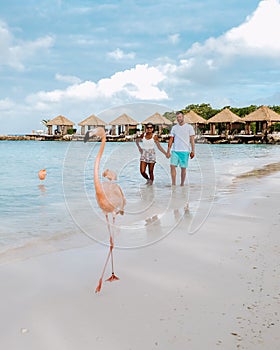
(168,154)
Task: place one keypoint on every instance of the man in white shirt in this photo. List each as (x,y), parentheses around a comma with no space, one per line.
(183,147)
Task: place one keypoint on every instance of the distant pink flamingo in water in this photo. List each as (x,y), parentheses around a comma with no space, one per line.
(42,174)
(110,199)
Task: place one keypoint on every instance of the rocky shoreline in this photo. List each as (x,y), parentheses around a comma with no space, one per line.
(30,138)
(210,139)
(37,137)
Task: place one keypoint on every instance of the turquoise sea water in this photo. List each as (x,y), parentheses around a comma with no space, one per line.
(64,203)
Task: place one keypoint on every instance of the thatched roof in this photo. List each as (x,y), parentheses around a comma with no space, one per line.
(124,119)
(157,119)
(263,113)
(60,120)
(193,118)
(225,116)
(92,120)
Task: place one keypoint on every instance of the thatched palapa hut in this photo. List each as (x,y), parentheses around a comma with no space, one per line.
(227,117)
(159,120)
(195,119)
(264,117)
(91,122)
(62,125)
(123,124)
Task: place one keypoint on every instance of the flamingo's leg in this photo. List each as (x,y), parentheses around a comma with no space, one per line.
(110,255)
(98,288)
(113,276)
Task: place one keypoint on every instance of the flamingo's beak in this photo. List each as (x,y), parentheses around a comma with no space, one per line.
(94,132)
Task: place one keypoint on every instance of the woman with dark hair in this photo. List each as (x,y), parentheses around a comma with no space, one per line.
(148,153)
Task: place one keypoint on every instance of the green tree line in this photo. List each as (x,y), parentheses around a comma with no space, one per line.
(206,111)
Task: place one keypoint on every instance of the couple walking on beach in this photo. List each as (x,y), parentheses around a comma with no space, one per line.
(181,146)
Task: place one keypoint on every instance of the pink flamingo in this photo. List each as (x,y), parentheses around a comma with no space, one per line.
(110,199)
(42,174)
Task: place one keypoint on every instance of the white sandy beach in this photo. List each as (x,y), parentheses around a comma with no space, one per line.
(215,289)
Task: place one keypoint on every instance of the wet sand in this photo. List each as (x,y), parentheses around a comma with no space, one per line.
(214,287)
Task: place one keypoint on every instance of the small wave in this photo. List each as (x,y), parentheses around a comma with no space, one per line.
(41,246)
(265,170)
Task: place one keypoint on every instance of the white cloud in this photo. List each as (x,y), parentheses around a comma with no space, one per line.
(174,38)
(235,57)
(139,83)
(258,35)
(118,54)
(142,78)
(67,78)
(261,30)
(80,10)
(6,104)
(14,52)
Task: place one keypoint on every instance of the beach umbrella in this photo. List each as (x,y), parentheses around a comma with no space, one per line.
(123,121)
(61,122)
(91,122)
(225,116)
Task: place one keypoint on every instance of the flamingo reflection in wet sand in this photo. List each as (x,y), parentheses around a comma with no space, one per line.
(109,196)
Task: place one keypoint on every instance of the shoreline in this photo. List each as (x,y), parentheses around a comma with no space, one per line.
(64,138)
(217,288)
(208,139)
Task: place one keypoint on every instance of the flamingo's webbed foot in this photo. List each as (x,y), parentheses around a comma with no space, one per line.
(112,278)
(98,288)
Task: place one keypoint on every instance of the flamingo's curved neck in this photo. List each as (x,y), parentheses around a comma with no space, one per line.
(97,183)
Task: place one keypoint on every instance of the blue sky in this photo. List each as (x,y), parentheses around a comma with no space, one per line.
(82,57)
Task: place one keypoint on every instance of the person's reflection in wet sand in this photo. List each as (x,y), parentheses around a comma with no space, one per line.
(179,213)
(179,200)
(153,227)
(151,220)
(147,194)
(147,201)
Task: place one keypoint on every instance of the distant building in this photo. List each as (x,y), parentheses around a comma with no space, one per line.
(62,125)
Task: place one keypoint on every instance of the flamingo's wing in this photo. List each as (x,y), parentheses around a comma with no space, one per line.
(114,195)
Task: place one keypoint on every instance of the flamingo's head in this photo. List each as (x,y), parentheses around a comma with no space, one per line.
(99,132)
(109,174)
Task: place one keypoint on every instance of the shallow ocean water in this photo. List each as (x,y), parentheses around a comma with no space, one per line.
(64,203)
